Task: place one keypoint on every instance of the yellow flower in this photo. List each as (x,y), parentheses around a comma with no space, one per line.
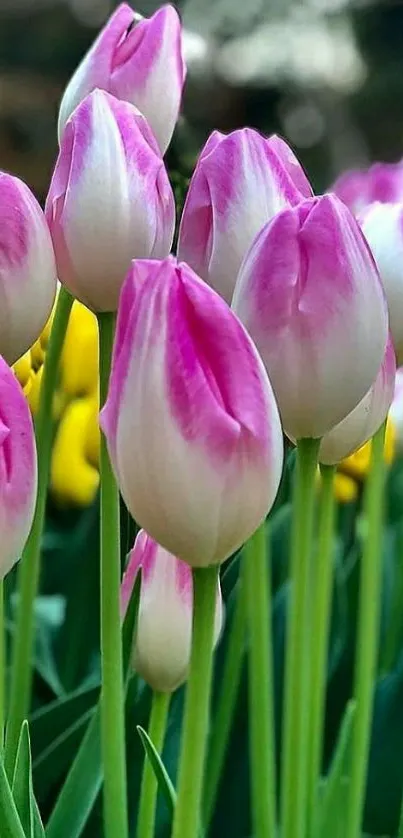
(358,464)
(79,361)
(345,488)
(74,479)
(24,373)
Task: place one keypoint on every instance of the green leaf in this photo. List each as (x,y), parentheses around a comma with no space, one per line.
(22,783)
(165,784)
(84,780)
(38,828)
(52,763)
(52,720)
(9,819)
(335,784)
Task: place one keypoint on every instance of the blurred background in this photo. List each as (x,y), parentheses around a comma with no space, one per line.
(326,74)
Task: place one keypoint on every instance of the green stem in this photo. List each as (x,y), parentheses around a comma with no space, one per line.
(2,667)
(29,568)
(322,581)
(149,786)
(260,671)
(367,633)
(197,705)
(295,729)
(226,703)
(112,695)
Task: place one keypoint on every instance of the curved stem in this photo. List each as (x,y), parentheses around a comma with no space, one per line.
(367,634)
(322,580)
(224,711)
(295,730)
(197,705)
(260,670)
(112,694)
(3,663)
(29,568)
(149,786)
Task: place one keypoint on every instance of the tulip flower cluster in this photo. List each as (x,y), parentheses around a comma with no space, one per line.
(272,318)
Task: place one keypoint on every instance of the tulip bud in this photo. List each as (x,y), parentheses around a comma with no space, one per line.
(396,410)
(27,268)
(364,421)
(381,182)
(18,469)
(382,225)
(310,296)
(240,182)
(109,201)
(138,60)
(191,422)
(164,623)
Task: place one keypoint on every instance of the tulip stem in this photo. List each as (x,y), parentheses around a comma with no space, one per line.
(322,580)
(367,633)
(29,568)
(260,669)
(197,705)
(149,786)
(112,693)
(226,703)
(295,729)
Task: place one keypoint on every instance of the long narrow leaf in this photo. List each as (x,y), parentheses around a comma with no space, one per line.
(329,809)
(84,780)
(10,823)
(21,786)
(164,781)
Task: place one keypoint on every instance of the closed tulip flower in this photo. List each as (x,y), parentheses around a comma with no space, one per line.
(18,469)
(240,182)
(310,296)
(396,410)
(382,225)
(27,268)
(109,200)
(138,60)
(363,422)
(191,422)
(381,182)
(164,626)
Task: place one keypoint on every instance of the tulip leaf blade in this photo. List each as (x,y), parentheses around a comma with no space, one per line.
(22,781)
(161,774)
(337,780)
(11,826)
(84,780)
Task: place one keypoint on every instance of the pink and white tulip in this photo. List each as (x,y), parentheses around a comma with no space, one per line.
(382,225)
(382,182)
(138,60)
(364,421)
(396,410)
(109,201)
(18,469)
(310,296)
(191,422)
(27,268)
(164,625)
(240,182)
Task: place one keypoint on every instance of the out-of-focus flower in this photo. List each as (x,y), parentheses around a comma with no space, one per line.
(352,471)
(18,469)
(164,626)
(382,225)
(310,296)
(79,361)
(240,182)
(27,268)
(109,201)
(191,422)
(382,182)
(138,60)
(363,422)
(396,410)
(74,476)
